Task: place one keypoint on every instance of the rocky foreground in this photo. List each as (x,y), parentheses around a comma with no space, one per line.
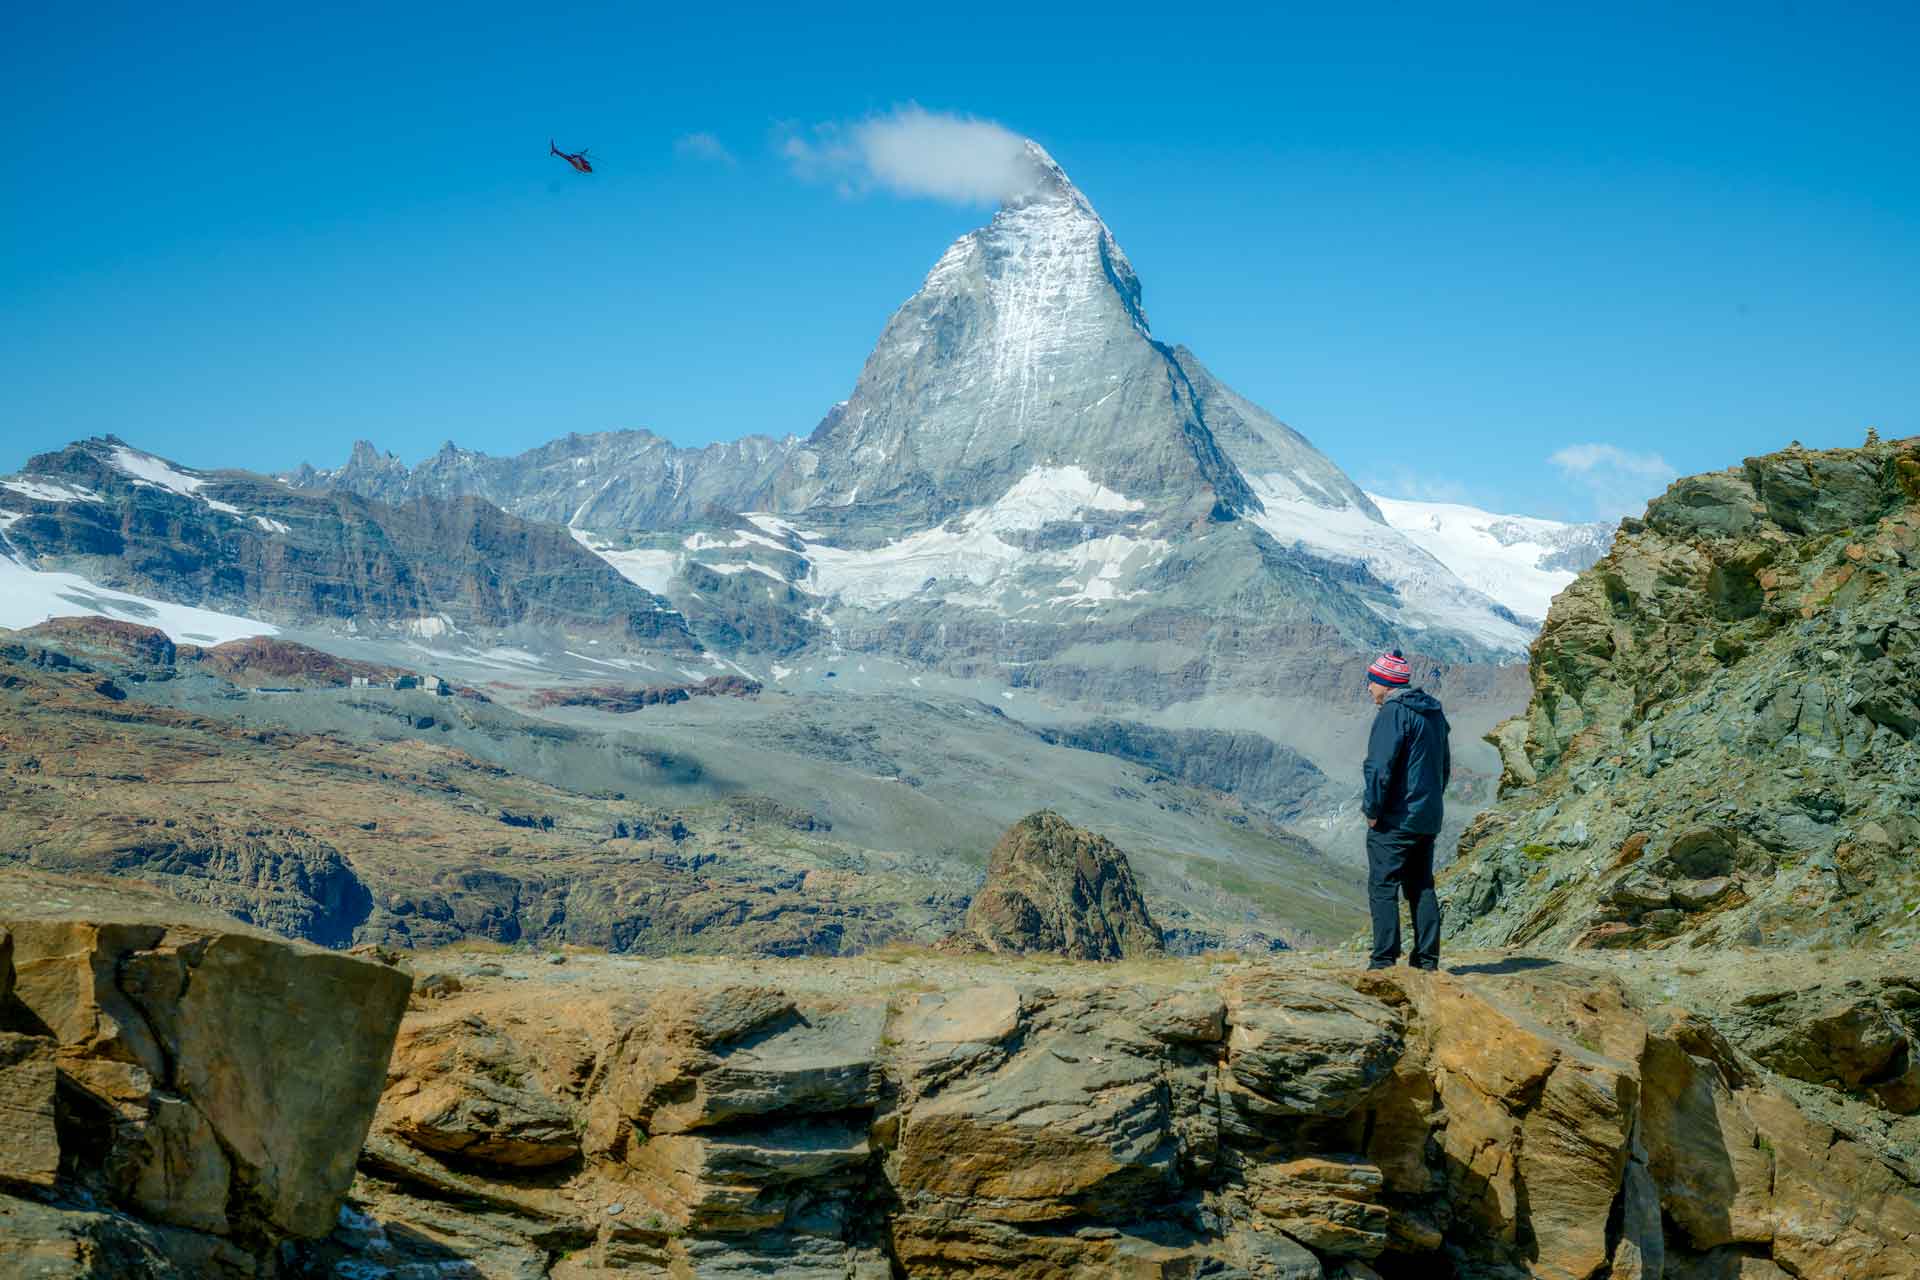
(185,1099)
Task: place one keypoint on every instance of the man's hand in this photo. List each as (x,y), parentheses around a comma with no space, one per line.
(1373,822)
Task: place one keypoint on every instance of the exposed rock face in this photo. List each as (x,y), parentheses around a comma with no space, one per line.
(464,1088)
(248,545)
(1724,735)
(1253,768)
(210,1080)
(1843,1028)
(963,1117)
(1054,888)
(1039,309)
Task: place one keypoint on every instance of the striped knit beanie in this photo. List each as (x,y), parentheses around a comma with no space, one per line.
(1390,669)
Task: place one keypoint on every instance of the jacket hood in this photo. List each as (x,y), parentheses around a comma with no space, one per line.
(1421,701)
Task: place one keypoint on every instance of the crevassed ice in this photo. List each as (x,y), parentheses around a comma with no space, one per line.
(1464,539)
(1430,594)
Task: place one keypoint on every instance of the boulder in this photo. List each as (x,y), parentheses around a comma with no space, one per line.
(1302,1046)
(1848,1041)
(1053,887)
(1328,1204)
(194,1071)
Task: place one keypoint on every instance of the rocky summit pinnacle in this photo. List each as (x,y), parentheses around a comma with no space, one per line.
(1027,345)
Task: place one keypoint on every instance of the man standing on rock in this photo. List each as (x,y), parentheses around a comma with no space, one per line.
(1408,765)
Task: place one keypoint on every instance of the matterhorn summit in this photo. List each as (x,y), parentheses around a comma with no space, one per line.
(1025,365)
(1026,346)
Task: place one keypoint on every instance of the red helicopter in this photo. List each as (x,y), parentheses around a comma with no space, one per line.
(578,159)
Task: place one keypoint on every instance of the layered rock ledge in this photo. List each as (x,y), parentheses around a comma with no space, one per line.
(916,1114)
(183,1096)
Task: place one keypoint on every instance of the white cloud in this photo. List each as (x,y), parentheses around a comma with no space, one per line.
(911,151)
(1618,482)
(1584,459)
(703,146)
(1402,481)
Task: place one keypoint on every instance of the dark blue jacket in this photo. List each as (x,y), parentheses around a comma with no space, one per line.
(1408,764)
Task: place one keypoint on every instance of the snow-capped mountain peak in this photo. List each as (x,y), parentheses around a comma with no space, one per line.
(1026,345)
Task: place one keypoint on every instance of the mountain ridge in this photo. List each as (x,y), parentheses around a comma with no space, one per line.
(1023,364)
(245,544)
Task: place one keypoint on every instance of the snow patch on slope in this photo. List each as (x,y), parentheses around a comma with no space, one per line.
(29,597)
(1497,554)
(1049,494)
(161,474)
(147,469)
(50,491)
(972,550)
(652,570)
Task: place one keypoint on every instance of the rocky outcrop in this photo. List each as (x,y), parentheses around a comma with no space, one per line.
(142,653)
(1054,888)
(1724,735)
(269,661)
(623,699)
(464,1088)
(179,1094)
(941,1116)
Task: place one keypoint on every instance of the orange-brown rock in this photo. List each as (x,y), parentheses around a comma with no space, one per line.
(208,1078)
(1013,1119)
(1052,887)
(932,1115)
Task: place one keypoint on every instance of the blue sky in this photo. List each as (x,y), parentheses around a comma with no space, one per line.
(1445,242)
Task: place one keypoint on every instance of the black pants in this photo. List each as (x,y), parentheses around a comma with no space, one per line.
(1400,864)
